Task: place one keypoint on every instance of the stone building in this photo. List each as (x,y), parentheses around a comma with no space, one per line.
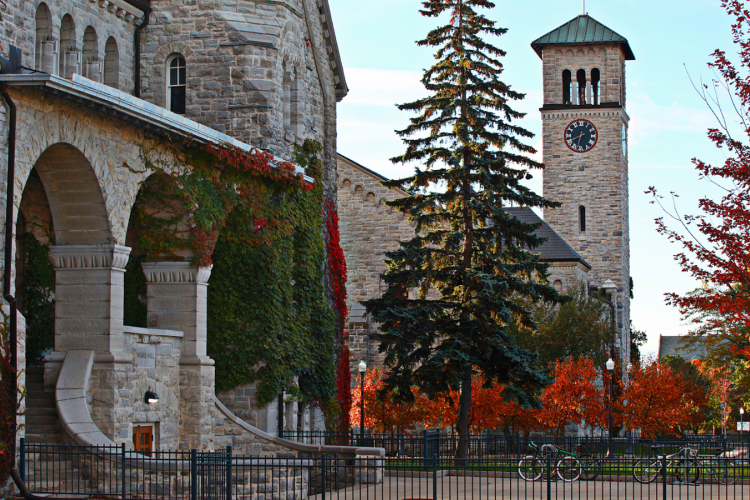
(588,237)
(86,85)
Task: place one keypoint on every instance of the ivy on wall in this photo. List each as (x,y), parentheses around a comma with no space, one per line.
(261,227)
(37,297)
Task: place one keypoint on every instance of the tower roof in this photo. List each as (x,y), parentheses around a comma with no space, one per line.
(583,30)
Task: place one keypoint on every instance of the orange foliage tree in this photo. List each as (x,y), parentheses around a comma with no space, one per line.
(383,414)
(576,395)
(657,400)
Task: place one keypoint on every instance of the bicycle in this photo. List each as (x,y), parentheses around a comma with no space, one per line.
(679,467)
(719,466)
(530,467)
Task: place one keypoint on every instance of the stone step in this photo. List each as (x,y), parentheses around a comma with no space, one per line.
(43,429)
(44,438)
(34,387)
(35,419)
(36,401)
(35,374)
(41,411)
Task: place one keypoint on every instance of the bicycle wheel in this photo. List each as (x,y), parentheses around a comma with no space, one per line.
(683,471)
(588,467)
(530,468)
(569,469)
(725,470)
(646,470)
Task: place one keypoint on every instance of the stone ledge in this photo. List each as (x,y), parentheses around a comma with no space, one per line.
(154,332)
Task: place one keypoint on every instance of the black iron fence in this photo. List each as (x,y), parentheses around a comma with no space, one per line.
(494,444)
(542,472)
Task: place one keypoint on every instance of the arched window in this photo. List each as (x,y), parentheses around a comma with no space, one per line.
(68,47)
(44,46)
(291,100)
(111,63)
(91,54)
(566,86)
(176,84)
(581,81)
(558,286)
(595,77)
(582,218)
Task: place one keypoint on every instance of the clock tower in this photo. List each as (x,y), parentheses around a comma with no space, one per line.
(585,129)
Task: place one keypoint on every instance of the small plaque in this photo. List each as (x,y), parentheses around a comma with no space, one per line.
(145,356)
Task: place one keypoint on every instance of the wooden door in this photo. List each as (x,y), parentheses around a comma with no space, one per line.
(143,438)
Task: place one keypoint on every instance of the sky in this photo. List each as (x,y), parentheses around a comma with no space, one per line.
(672,41)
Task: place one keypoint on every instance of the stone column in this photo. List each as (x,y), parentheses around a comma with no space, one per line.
(177,293)
(89,293)
(71,63)
(47,58)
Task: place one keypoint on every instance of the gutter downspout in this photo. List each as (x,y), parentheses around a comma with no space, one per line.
(137,43)
(9,207)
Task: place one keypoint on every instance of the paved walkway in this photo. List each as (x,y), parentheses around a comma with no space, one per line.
(471,488)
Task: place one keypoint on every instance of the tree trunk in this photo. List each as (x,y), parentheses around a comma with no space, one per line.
(464,414)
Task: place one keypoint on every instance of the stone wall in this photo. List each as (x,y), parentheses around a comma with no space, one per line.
(240,57)
(368,230)
(108,20)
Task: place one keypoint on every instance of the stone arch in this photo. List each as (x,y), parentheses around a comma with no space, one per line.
(159,68)
(79,213)
(371,196)
(43,20)
(347,184)
(68,53)
(90,54)
(359,190)
(112,63)
(558,284)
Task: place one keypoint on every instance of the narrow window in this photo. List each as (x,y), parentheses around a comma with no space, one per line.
(581,80)
(91,54)
(292,105)
(595,78)
(44,47)
(582,218)
(177,84)
(111,63)
(68,48)
(566,86)
(558,286)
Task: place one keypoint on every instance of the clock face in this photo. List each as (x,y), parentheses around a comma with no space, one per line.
(581,136)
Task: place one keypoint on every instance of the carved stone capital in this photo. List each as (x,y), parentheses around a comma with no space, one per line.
(176,272)
(66,257)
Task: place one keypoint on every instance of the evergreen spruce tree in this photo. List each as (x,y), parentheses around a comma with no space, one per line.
(470,261)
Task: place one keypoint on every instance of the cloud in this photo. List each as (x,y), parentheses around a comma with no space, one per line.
(654,119)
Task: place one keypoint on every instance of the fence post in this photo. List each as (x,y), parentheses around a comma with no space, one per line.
(122,470)
(22,460)
(434,476)
(549,477)
(323,458)
(518,439)
(664,477)
(194,474)
(229,472)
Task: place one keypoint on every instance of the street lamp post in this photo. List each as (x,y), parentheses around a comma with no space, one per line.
(611,370)
(742,426)
(362,367)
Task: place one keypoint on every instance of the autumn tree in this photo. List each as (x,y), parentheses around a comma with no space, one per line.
(656,400)
(383,413)
(467,249)
(575,396)
(716,242)
(697,387)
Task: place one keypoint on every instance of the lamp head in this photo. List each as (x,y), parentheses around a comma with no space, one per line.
(151,397)
(610,365)
(362,366)
(742,411)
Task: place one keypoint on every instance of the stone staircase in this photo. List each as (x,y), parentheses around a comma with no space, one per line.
(41,413)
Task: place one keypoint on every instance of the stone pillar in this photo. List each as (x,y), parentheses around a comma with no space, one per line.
(177,293)
(71,63)
(89,294)
(48,57)
(93,69)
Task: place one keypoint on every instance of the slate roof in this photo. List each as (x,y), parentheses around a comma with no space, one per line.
(670,345)
(582,30)
(555,249)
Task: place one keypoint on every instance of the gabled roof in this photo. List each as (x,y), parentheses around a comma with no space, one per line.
(672,345)
(583,30)
(555,249)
